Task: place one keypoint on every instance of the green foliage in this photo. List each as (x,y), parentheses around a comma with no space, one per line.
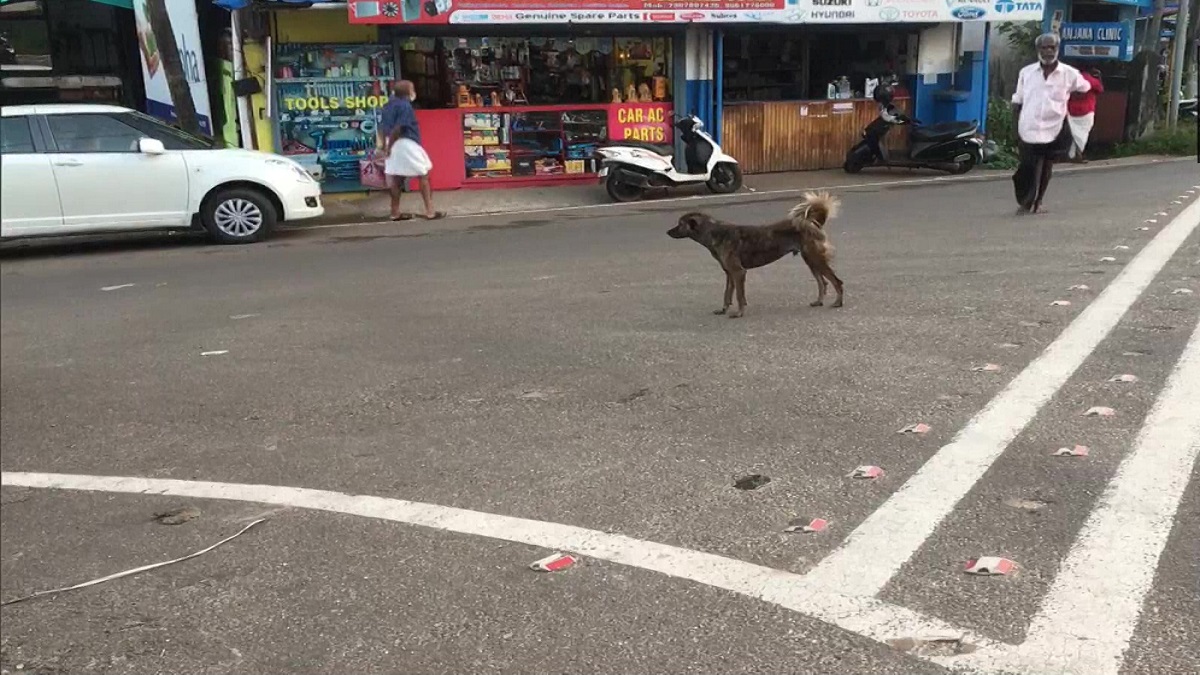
(1181,142)
(1001,125)
(1021,36)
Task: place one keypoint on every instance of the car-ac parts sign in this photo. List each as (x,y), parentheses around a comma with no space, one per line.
(187,37)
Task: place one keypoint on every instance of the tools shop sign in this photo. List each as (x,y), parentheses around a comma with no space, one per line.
(645,122)
(1097,41)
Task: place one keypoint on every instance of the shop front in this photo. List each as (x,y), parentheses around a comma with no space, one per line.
(497,104)
(797,98)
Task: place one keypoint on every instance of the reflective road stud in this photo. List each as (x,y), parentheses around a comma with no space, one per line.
(990,566)
(1077,451)
(866,472)
(553,563)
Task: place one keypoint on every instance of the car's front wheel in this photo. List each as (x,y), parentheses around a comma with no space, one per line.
(238,216)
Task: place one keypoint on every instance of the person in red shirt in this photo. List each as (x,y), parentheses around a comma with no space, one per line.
(1081,114)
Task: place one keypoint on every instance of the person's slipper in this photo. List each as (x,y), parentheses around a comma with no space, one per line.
(437,215)
(402,216)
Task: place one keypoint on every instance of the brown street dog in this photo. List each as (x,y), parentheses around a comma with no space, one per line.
(743,247)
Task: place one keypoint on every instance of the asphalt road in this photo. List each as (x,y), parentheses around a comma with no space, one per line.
(501,379)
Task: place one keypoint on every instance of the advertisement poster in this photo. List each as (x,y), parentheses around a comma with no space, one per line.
(644,122)
(329,98)
(479,12)
(187,36)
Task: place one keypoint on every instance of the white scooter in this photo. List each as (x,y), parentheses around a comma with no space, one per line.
(630,168)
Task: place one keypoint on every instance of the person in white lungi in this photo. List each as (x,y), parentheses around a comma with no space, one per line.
(1081,114)
(406,158)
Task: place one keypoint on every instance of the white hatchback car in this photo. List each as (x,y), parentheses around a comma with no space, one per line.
(82,169)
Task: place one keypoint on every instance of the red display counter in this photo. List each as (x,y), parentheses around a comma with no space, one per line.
(511,145)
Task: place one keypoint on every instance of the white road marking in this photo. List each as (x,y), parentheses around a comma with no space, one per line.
(868,617)
(1092,609)
(877,549)
(117,287)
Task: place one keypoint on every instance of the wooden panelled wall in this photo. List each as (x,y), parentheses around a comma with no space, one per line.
(799,135)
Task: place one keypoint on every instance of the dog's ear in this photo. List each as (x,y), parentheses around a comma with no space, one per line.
(692,221)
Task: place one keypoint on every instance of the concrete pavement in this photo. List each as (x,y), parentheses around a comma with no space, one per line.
(565,369)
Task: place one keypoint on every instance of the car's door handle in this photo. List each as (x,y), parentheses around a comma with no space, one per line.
(68,162)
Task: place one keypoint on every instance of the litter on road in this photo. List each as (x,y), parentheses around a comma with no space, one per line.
(1108,258)
(1125,378)
(553,563)
(918,428)
(1080,287)
(1061,303)
(987,368)
(1077,451)
(990,566)
(1182,291)
(136,570)
(1099,411)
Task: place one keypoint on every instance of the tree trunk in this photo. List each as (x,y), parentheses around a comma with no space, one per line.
(177,81)
(1147,107)
(1189,57)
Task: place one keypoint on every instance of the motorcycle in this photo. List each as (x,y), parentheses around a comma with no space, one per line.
(8,55)
(629,168)
(954,147)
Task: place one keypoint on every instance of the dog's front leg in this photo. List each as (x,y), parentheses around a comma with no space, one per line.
(728,295)
(739,284)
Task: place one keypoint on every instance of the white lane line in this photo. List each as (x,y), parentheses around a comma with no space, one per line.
(984,176)
(1089,615)
(877,549)
(865,616)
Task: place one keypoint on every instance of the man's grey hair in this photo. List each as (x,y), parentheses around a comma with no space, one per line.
(1046,39)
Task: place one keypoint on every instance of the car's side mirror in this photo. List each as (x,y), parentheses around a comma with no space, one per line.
(151,146)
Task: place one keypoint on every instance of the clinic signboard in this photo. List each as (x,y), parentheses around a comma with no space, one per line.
(1098,41)
(481,12)
(182,14)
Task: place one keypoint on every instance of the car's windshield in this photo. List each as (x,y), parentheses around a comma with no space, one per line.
(172,138)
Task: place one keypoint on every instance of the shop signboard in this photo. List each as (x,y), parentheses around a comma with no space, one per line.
(645,122)
(182,15)
(480,12)
(329,98)
(1096,41)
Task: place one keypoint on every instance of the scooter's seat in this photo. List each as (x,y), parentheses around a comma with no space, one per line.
(664,150)
(943,131)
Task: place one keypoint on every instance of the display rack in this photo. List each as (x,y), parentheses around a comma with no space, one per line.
(534,143)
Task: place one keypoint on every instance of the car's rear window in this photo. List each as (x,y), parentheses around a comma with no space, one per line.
(15,136)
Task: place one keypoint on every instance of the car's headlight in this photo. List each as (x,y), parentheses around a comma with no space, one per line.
(301,175)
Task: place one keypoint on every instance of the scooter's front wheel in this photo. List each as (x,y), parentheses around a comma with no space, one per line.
(621,191)
(726,178)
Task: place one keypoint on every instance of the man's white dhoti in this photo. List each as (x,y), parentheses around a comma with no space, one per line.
(407,159)
(1081,128)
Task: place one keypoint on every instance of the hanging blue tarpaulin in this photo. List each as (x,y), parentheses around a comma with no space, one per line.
(123,4)
(241,4)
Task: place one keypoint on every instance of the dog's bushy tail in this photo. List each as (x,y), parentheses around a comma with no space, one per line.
(810,216)
(817,208)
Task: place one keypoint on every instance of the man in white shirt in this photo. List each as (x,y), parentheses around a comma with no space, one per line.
(1040,108)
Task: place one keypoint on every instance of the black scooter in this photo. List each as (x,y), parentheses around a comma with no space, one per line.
(952,146)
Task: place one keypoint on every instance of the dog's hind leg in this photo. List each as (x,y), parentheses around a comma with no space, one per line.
(838,287)
(728,295)
(821,284)
(739,285)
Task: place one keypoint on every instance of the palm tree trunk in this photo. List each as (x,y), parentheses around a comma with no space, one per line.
(177,81)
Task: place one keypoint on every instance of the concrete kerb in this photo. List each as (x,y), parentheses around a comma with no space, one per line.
(465,205)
